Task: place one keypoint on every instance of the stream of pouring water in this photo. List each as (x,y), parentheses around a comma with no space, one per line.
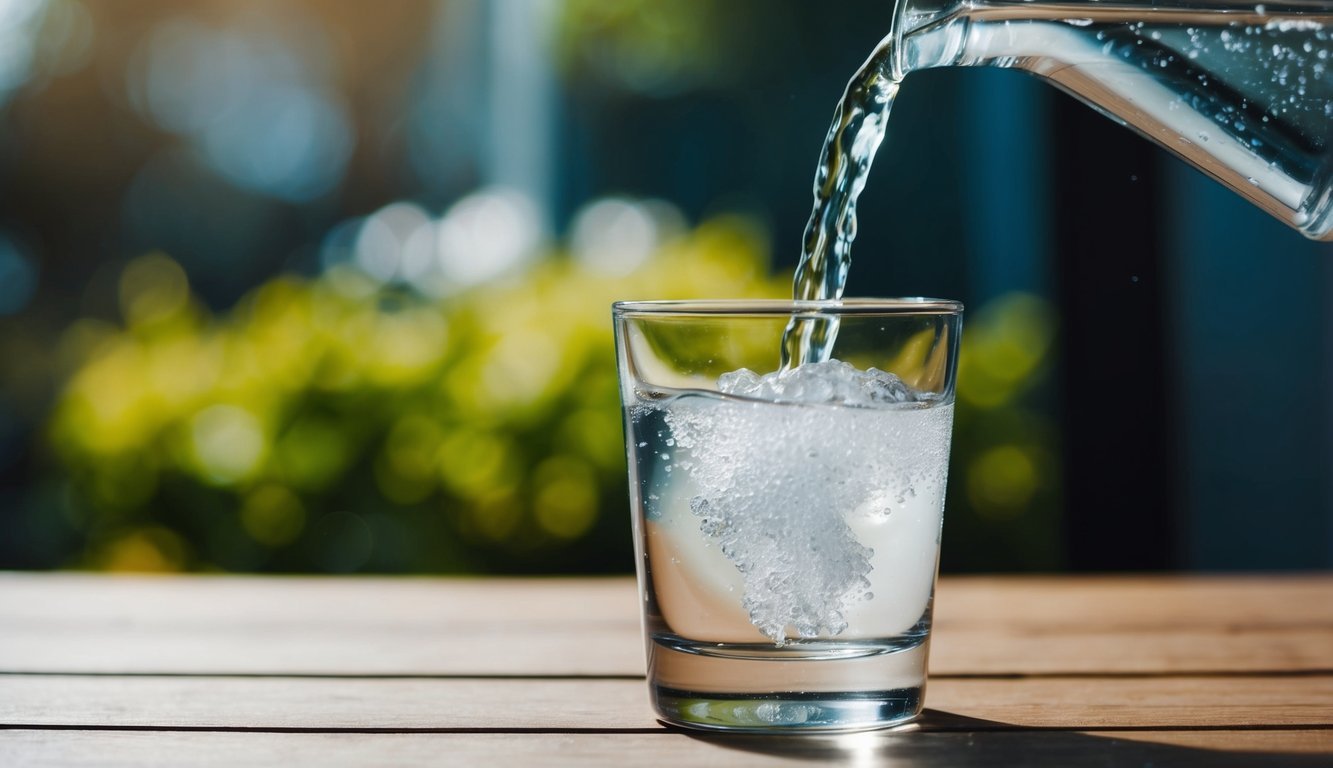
(849,149)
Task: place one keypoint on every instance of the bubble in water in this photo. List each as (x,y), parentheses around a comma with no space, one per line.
(1291,25)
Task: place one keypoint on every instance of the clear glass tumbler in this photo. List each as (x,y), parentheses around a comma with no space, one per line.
(787,524)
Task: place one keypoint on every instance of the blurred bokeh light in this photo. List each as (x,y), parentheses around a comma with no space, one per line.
(215,86)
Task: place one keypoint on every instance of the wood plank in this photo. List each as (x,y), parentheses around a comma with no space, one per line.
(1143,624)
(393,603)
(1127,602)
(239,624)
(522,648)
(1176,601)
(1005,649)
(325,704)
(1215,749)
(503,648)
(991,625)
(509,704)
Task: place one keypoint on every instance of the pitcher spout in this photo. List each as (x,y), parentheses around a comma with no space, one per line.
(926,34)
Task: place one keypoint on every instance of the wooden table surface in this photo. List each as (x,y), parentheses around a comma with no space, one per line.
(1106,671)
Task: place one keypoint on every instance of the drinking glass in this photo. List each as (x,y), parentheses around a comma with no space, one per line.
(787,524)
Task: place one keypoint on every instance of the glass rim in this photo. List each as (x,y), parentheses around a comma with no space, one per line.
(910,305)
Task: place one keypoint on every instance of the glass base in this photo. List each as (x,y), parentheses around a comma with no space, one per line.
(788,712)
(800,687)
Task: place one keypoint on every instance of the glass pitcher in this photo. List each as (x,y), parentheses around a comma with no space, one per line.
(1241,91)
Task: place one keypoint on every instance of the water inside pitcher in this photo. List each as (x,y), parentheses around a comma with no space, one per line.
(1239,90)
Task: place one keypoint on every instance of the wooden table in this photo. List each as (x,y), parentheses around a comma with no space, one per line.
(1066,671)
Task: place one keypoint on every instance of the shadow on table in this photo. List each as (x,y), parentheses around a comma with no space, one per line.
(944,739)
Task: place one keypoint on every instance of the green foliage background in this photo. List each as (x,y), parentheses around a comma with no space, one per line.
(333,424)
